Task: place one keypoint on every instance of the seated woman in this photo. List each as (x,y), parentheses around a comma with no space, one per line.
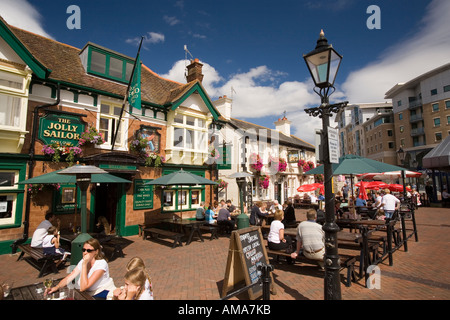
(93,270)
(103,227)
(276,238)
(210,216)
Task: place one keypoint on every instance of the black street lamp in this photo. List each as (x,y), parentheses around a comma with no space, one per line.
(401,156)
(323,64)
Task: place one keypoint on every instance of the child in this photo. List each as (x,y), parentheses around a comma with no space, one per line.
(134,288)
(50,244)
(135,267)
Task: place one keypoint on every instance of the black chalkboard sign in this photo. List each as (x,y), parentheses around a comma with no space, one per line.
(246,253)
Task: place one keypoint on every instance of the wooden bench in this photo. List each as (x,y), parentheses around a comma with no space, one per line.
(211,228)
(39,260)
(345,261)
(155,233)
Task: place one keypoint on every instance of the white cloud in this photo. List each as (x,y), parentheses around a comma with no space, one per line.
(149,38)
(428,49)
(23,15)
(252,99)
(171,20)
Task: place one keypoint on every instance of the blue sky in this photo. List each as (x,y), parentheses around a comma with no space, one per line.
(256,47)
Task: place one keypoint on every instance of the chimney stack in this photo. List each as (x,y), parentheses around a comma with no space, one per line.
(224,106)
(284,126)
(194,71)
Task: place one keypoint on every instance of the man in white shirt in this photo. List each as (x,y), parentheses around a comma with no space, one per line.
(389,203)
(42,230)
(311,237)
(275,206)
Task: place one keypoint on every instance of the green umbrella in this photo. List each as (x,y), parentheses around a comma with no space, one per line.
(353,164)
(181,178)
(54,177)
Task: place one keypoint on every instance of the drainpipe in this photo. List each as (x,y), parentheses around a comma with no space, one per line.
(31,164)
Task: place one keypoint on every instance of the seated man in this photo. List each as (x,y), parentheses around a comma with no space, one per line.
(224,219)
(311,238)
(42,230)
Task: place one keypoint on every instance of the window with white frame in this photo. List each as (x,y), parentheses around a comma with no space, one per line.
(12,94)
(8,198)
(190,133)
(109,119)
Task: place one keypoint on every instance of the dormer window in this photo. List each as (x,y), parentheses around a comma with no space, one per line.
(106,63)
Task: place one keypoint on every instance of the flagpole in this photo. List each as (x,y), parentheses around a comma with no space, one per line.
(126,96)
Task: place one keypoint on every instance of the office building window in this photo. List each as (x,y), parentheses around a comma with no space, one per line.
(435,107)
(433,92)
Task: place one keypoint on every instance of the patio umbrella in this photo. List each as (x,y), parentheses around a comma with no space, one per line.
(310,187)
(55,177)
(397,187)
(389,175)
(181,178)
(352,164)
(362,190)
(376,185)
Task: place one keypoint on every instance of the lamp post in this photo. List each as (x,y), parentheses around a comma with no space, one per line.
(401,156)
(323,64)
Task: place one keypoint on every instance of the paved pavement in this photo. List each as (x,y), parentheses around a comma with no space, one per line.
(196,271)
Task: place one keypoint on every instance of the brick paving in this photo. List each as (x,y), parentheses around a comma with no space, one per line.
(196,271)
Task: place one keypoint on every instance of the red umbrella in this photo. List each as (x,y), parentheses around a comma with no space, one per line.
(397,187)
(310,187)
(377,185)
(362,194)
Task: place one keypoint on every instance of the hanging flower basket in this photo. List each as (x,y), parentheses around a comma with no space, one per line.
(282,165)
(154,160)
(91,136)
(264,181)
(35,189)
(213,153)
(221,184)
(59,151)
(255,162)
(305,165)
(138,145)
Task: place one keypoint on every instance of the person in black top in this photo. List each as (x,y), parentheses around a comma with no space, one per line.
(289,220)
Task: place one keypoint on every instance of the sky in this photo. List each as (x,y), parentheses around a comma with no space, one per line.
(252,51)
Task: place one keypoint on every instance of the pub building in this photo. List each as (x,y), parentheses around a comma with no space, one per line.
(61,105)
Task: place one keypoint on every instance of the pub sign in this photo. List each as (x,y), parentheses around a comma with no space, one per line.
(60,128)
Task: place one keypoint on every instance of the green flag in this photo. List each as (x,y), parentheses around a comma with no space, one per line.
(134,96)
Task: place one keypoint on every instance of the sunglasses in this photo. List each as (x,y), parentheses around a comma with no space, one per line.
(87,250)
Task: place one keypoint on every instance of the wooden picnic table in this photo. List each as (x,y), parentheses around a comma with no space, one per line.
(190,227)
(31,292)
(371,225)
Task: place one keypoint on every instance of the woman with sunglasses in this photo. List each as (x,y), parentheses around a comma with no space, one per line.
(93,272)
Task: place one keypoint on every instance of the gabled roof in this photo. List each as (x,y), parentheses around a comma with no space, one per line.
(39,70)
(290,141)
(439,156)
(61,63)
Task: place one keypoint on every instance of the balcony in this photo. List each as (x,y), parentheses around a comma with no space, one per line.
(415,118)
(417,132)
(415,104)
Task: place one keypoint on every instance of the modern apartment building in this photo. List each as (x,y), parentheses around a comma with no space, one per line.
(367,130)
(421,110)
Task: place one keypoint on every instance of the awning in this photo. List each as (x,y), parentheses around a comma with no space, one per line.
(54,177)
(438,157)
